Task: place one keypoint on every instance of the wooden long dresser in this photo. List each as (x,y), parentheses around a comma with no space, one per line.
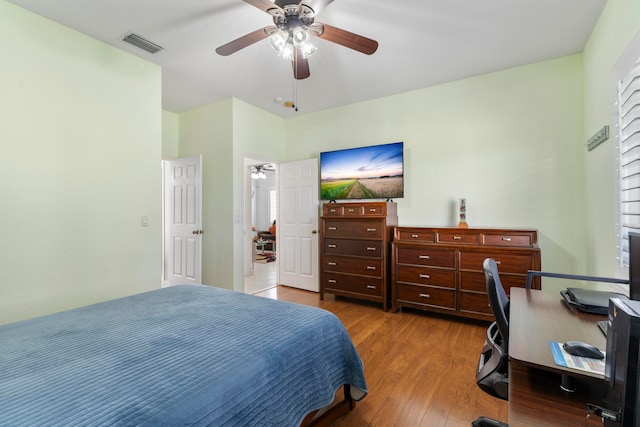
(355,250)
(440,269)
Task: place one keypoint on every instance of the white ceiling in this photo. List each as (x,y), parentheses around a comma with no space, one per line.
(421,43)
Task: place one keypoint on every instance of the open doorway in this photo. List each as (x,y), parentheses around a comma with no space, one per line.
(261,256)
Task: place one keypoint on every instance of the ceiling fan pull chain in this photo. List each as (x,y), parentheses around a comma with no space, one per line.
(295,94)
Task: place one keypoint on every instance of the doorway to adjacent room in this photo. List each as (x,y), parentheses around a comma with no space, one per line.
(261,270)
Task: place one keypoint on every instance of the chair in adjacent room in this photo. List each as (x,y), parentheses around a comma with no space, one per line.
(492,373)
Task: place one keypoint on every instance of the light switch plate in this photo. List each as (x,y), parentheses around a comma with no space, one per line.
(144,221)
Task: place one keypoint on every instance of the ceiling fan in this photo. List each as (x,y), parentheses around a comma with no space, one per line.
(294,23)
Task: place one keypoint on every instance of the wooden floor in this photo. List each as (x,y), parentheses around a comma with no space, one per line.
(420,368)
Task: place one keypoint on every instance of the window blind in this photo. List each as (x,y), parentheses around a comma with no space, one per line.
(628,136)
(272,206)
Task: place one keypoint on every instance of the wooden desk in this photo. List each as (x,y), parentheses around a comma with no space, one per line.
(535,397)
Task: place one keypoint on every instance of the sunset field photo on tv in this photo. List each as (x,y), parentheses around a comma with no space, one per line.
(372,172)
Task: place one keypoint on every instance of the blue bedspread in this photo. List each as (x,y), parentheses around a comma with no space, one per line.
(184,355)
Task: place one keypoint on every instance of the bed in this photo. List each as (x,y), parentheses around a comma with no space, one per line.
(183,355)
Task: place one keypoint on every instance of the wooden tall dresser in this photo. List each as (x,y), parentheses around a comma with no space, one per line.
(355,250)
(440,269)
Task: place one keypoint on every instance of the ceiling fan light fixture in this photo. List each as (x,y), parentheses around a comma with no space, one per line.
(287,52)
(278,40)
(300,37)
(286,40)
(257,172)
(301,40)
(308,49)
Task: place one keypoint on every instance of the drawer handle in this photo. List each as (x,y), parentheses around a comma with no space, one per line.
(424,296)
(506,239)
(332,263)
(370,267)
(371,287)
(351,210)
(332,246)
(332,281)
(415,236)
(457,238)
(332,211)
(498,262)
(371,249)
(425,276)
(333,228)
(372,229)
(423,256)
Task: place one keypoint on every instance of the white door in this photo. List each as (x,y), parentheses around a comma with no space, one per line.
(297,224)
(182,261)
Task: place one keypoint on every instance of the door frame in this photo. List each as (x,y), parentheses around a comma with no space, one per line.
(249,160)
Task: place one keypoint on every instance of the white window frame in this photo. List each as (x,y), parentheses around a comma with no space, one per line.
(627,139)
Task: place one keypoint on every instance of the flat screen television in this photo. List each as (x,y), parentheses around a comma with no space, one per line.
(371,172)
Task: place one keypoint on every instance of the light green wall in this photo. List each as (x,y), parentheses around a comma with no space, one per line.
(81,141)
(170,135)
(618,24)
(257,134)
(208,131)
(224,133)
(509,142)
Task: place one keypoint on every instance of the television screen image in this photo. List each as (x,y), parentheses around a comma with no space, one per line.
(372,172)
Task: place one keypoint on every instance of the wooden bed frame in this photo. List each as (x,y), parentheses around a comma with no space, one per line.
(326,416)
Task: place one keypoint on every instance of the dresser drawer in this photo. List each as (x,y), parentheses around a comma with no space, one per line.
(458,237)
(426,256)
(427,276)
(378,209)
(522,240)
(362,248)
(353,284)
(475,281)
(363,266)
(426,295)
(414,235)
(375,210)
(475,303)
(332,209)
(353,210)
(507,262)
(361,229)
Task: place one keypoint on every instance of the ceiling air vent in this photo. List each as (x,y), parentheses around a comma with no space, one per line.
(142,43)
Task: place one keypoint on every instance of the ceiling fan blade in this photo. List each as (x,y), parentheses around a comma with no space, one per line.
(266,5)
(316,5)
(300,66)
(244,41)
(347,39)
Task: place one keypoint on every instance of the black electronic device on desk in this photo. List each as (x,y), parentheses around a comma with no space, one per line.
(634,266)
(634,276)
(622,366)
(589,300)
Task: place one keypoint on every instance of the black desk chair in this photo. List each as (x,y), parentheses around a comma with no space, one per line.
(492,373)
